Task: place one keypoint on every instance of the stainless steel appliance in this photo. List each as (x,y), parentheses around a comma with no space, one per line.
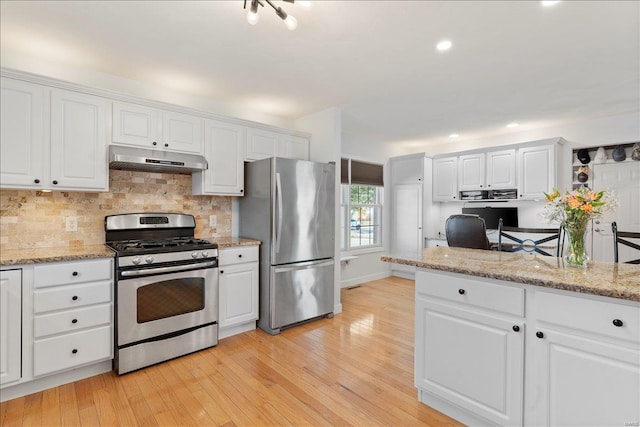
(145,159)
(166,288)
(289,206)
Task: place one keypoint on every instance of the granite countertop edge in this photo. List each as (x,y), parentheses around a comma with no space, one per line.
(232,242)
(622,289)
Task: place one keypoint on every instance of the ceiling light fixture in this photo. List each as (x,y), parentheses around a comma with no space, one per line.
(454,135)
(550,3)
(444,45)
(513,125)
(252,15)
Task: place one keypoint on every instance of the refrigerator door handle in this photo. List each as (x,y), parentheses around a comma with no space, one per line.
(304,266)
(279,197)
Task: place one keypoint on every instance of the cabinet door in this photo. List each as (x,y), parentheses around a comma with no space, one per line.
(135,125)
(407,169)
(261,144)
(21,140)
(407,219)
(584,382)
(472,360)
(78,141)
(10,325)
(181,132)
(445,179)
(224,150)
(501,169)
(471,172)
(293,147)
(537,172)
(238,294)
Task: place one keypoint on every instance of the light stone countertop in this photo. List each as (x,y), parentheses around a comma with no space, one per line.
(599,278)
(10,257)
(230,242)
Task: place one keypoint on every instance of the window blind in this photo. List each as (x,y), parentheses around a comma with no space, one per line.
(363,173)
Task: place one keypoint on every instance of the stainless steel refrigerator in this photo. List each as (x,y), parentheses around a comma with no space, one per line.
(289,206)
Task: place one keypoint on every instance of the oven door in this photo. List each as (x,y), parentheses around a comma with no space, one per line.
(152,306)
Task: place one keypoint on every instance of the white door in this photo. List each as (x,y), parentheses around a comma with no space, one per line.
(224,151)
(536,172)
(181,132)
(22,137)
(135,125)
(501,169)
(10,325)
(238,294)
(623,179)
(78,141)
(471,172)
(472,360)
(445,179)
(407,219)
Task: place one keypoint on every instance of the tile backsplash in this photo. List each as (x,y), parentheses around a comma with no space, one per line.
(35,219)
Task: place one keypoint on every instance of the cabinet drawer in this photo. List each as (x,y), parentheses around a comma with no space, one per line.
(71,296)
(589,315)
(72,320)
(238,255)
(72,272)
(71,350)
(501,298)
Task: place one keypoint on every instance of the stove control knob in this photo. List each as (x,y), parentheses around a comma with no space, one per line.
(194,254)
(135,261)
(149,260)
(205,254)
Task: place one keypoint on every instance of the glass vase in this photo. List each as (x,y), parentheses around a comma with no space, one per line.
(576,253)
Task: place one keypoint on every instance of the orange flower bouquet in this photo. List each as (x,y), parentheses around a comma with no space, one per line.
(573,211)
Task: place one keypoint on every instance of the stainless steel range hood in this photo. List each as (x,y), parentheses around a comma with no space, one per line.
(142,159)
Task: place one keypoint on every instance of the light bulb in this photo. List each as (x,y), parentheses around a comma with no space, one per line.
(444,45)
(291,22)
(252,18)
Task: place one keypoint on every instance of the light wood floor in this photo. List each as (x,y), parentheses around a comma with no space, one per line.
(354,369)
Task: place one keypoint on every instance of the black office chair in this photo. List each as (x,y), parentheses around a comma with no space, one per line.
(516,244)
(617,239)
(466,231)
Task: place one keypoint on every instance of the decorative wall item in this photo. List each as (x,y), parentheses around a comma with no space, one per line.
(583,174)
(618,153)
(601,156)
(584,157)
(635,151)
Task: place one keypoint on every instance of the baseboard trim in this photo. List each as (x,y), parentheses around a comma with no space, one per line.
(363,279)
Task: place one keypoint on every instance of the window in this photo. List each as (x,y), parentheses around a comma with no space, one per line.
(361,205)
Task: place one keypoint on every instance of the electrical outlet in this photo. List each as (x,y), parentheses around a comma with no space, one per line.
(213,220)
(72,223)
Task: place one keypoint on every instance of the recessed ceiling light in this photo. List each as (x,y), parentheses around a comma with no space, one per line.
(454,135)
(513,125)
(444,45)
(550,3)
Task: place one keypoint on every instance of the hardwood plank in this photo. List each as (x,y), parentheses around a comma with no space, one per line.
(355,369)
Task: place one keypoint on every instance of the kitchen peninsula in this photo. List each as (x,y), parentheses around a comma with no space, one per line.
(520,339)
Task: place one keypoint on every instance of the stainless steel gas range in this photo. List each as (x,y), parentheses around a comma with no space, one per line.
(166,288)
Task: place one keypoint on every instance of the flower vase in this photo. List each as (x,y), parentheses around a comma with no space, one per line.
(576,255)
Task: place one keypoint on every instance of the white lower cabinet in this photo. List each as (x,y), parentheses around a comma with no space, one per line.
(484,357)
(10,325)
(238,281)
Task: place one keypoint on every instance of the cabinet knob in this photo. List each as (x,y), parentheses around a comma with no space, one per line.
(239,255)
(74,321)
(74,351)
(37,181)
(453,197)
(75,273)
(481,186)
(516,328)
(55,182)
(75,298)
(597,230)
(154,143)
(597,221)
(242,191)
(521,195)
(461,291)
(539,334)
(488,185)
(618,323)
(166,145)
(221,271)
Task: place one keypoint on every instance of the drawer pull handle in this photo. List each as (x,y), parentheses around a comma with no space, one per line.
(75,298)
(74,351)
(461,291)
(618,322)
(539,334)
(74,321)
(516,328)
(75,273)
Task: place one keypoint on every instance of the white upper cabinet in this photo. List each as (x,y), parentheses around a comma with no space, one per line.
(224,151)
(157,129)
(78,141)
(501,169)
(22,135)
(471,172)
(71,155)
(445,179)
(536,171)
(293,147)
(262,144)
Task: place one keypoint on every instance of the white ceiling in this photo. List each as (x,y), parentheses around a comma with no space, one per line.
(376,60)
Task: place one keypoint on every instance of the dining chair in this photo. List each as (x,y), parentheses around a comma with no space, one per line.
(618,240)
(526,243)
(466,231)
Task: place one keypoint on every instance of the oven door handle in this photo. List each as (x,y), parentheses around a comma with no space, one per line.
(132,273)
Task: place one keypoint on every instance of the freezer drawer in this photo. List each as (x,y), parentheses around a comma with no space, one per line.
(301,292)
